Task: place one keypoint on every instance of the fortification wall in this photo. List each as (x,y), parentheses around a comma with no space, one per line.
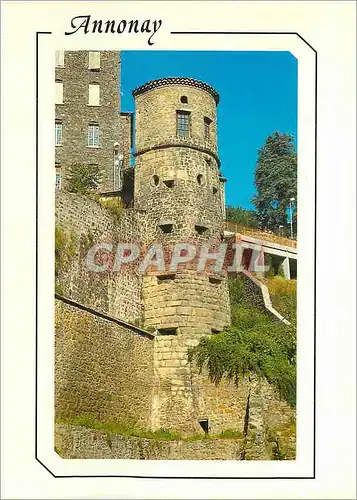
(183,396)
(180,185)
(187,301)
(88,223)
(79,442)
(102,369)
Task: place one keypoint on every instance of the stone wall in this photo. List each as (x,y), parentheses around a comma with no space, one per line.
(183,396)
(79,442)
(176,177)
(75,114)
(187,301)
(102,369)
(187,192)
(117,293)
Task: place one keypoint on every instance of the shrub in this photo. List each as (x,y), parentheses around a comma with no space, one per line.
(113,205)
(255,342)
(82,179)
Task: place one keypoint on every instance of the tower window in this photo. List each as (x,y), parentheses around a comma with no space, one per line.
(207,125)
(184,99)
(200,229)
(93,135)
(155,180)
(169,183)
(214,190)
(200,180)
(94,60)
(164,278)
(94,94)
(183,123)
(59,57)
(166,228)
(215,281)
(167,331)
(58,133)
(59,92)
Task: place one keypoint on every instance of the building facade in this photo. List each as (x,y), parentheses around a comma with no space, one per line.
(89,128)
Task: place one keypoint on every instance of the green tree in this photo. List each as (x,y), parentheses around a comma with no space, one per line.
(276,181)
(255,342)
(242,216)
(82,179)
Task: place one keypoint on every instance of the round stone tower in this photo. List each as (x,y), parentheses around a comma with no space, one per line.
(178,184)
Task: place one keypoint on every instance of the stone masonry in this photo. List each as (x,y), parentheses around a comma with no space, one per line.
(177,181)
(178,198)
(75,115)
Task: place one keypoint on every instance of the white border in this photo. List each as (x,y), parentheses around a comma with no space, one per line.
(330,27)
(303,465)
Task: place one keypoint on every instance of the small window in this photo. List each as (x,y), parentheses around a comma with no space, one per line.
(93,135)
(214,190)
(200,180)
(167,331)
(166,228)
(59,58)
(58,177)
(94,94)
(183,123)
(207,124)
(215,281)
(201,229)
(58,133)
(94,60)
(164,278)
(59,92)
(169,183)
(214,331)
(184,99)
(155,180)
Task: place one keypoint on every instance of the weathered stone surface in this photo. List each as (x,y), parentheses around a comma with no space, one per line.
(78,442)
(111,373)
(75,114)
(101,369)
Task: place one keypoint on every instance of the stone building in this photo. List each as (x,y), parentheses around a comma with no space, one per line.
(179,184)
(178,181)
(132,363)
(89,128)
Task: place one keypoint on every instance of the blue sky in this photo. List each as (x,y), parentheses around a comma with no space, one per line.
(258,96)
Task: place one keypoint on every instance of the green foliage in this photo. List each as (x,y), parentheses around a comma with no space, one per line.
(275,180)
(283,296)
(256,343)
(82,179)
(241,216)
(65,249)
(231,434)
(113,205)
(131,430)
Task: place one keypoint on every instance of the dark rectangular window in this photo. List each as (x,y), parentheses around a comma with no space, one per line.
(167,331)
(207,123)
(183,123)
